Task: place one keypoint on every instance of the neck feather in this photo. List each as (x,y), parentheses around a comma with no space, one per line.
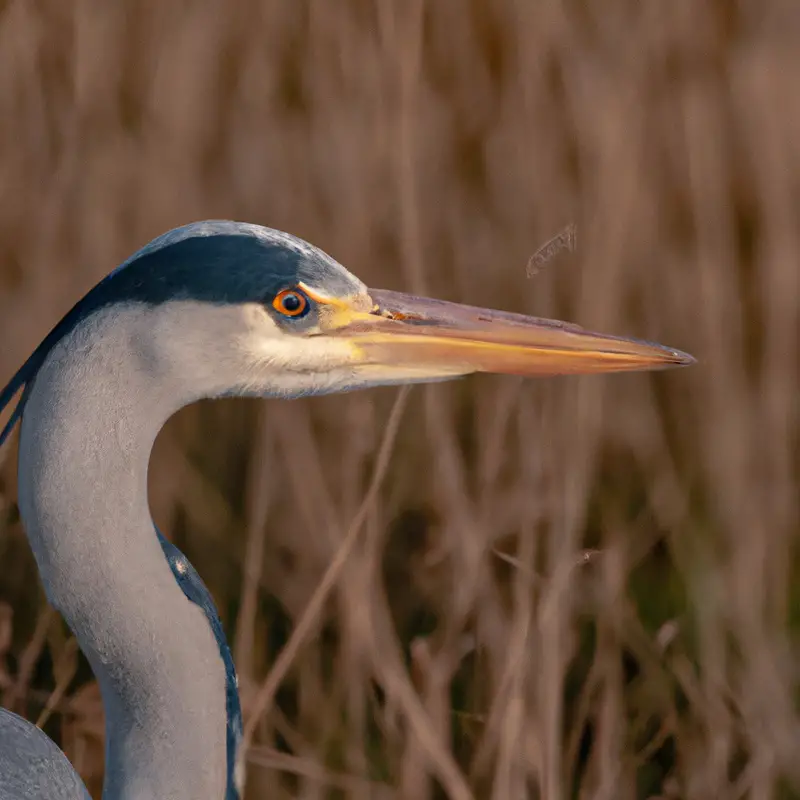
(91,419)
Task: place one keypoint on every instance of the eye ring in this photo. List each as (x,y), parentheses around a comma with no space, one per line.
(291,303)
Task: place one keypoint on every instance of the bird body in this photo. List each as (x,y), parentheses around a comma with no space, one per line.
(208,310)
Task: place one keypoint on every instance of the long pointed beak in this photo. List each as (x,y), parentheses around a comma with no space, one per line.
(440,338)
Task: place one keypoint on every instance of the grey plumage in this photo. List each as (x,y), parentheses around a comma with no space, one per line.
(31,766)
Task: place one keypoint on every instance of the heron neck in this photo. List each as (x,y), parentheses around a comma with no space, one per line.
(88,428)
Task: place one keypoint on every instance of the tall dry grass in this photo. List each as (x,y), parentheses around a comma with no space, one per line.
(579,587)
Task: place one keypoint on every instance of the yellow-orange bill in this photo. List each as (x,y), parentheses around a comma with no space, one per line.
(434,334)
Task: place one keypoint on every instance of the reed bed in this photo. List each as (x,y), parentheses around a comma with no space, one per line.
(566,588)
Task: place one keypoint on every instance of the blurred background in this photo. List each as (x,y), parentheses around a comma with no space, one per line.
(567,588)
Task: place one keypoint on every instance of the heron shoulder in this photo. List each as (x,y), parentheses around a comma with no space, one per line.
(32,767)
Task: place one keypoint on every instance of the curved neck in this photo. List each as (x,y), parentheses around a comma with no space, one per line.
(89,425)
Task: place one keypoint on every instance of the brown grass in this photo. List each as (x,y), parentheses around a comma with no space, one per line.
(566,588)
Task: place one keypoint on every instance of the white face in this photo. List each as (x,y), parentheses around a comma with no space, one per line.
(241,349)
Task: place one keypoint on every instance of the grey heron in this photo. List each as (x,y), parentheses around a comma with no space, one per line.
(212,309)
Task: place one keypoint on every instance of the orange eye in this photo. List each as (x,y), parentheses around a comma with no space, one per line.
(291,303)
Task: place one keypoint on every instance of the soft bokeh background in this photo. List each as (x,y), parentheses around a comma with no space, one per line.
(582,587)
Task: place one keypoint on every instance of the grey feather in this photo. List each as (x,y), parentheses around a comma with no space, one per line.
(31,766)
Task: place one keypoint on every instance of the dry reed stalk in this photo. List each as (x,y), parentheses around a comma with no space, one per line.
(434,145)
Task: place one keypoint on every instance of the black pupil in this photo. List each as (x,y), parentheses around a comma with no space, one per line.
(292,303)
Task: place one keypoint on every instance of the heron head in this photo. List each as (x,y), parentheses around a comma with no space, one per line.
(224,308)
(265,313)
